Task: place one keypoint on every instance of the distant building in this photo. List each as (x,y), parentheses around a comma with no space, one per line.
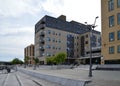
(29,52)
(55,35)
(110,31)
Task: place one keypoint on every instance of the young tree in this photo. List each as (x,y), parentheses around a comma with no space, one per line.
(50,60)
(60,58)
(26,59)
(36,60)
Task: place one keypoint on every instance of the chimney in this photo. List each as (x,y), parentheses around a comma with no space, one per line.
(62,17)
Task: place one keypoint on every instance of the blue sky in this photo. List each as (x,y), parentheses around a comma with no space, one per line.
(18,17)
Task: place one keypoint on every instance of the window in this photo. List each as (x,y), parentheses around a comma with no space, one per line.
(111,50)
(48,39)
(111,21)
(59,34)
(59,41)
(118,48)
(111,5)
(94,41)
(86,42)
(53,47)
(111,36)
(48,46)
(118,3)
(59,48)
(118,35)
(53,39)
(118,18)
(49,32)
(53,32)
(99,41)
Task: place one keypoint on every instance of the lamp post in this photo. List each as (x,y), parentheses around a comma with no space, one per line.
(91,35)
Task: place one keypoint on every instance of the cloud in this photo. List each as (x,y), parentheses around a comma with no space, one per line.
(78,10)
(17,8)
(14,40)
(53,6)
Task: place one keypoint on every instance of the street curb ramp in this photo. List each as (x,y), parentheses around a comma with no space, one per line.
(55,79)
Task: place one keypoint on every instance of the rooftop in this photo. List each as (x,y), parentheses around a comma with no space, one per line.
(60,23)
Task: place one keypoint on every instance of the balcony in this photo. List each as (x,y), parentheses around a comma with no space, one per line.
(42,22)
(42,48)
(42,41)
(42,34)
(93,55)
(42,26)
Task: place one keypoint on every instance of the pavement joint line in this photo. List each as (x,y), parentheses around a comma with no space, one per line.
(4,82)
(18,79)
(37,82)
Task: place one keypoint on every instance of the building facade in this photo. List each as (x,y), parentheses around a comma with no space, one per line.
(110,31)
(29,52)
(55,35)
(85,47)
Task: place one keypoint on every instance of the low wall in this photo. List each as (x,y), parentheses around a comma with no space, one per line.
(60,80)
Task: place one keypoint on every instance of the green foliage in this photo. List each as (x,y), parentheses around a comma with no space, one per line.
(50,60)
(36,60)
(16,61)
(26,59)
(58,59)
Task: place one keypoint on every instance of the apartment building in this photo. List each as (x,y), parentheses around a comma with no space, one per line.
(85,47)
(110,31)
(29,52)
(55,35)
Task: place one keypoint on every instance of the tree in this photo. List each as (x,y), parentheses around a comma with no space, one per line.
(60,58)
(16,61)
(36,60)
(26,59)
(50,60)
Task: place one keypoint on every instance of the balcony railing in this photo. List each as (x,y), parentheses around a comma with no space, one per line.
(42,34)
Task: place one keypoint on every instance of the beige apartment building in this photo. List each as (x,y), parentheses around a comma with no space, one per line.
(55,35)
(85,47)
(29,52)
(110,31)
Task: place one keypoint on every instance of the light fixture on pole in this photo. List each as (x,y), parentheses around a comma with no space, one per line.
(91,35)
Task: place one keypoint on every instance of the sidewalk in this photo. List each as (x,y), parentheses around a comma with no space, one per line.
(100,78)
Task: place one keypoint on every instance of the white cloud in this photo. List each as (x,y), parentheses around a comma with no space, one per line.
(53,6)
(14,40)
(78,10)
(16,8)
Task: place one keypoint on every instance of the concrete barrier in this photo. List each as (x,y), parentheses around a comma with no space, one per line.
(55,79)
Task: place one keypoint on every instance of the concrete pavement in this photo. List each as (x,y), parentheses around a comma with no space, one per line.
(16,78)
(100,78)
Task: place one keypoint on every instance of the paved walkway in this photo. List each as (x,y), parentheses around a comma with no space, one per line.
(16,78)
(100,78)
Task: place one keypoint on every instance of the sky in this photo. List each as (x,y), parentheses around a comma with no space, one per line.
(18,19)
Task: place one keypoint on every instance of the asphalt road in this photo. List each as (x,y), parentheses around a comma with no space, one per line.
(19,79)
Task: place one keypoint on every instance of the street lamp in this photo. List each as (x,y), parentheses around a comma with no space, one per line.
(91,35)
